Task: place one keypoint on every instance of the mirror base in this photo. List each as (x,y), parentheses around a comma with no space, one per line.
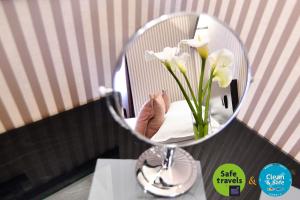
(166,172)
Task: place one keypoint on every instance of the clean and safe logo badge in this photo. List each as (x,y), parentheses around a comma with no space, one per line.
(275,180)
(229,180)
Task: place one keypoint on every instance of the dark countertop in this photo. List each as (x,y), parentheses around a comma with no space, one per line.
(44,157)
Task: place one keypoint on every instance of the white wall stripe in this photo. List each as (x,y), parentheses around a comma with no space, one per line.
(90,48)
(293,139)
(103,23)
(236,13)
(156,8)
(14,58)
(223,10)
(211,7)
(277,33)
(50,30)
(249,19)
(168,6)
(200,5)
(144,12)
(2,129)
(10,103)
(118,26)
(178,5)
(297,157)
(189,4)
(73,48)
(278,71)
(279,102)
(131,19)
(261,28)
(35,52)
(289,116)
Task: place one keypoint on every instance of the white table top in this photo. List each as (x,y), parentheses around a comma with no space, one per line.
(114,179)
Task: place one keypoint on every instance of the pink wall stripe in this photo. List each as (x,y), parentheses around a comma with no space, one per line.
(64,50)
(217,8)
(284,109)
(279,85)
(274,59)
(255,24)
(267,35)
(4,117)
(229,11)
(10,78)
(44,48)
(242,17)
(23,51)
(82,48)
(97,41)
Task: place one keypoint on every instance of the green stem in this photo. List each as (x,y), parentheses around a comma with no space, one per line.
(200,98)
(191,90)
(184,93)
(205,90)
(197,135)
(200,95)
(207,103)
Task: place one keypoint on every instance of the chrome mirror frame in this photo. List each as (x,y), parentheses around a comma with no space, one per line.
(165,155)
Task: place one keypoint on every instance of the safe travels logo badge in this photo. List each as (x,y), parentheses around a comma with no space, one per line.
(275,180)
(229,180)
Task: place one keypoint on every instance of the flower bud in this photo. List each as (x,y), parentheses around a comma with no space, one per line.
(203,51)
(182,68)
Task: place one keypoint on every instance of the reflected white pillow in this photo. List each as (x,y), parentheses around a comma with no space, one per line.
(131,122)
(178,124)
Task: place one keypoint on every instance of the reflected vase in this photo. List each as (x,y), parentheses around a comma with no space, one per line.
(201,131)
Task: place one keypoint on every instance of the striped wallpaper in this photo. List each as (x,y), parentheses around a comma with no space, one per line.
(55,53)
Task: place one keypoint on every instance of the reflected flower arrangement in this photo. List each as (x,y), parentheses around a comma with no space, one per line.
(220,65)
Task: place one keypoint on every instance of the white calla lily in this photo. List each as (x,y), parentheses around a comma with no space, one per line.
(170,57)
(223,76)
(199,42)
(166,55)
(180,61)
(221,62)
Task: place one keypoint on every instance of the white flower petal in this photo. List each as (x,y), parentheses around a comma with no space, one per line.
(222,61)
(221,58)
(226,57)
(168,53)
(182,68)
(180,61)
(194,43)
(212,58)
(164,56)
(150,55)
(223,76)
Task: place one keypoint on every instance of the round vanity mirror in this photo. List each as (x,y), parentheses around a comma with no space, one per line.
(159,78)
(182,78)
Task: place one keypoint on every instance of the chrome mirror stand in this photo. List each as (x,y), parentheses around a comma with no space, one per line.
(162,170)
(166,171)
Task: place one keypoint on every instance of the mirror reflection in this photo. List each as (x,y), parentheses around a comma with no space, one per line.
(181,78)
